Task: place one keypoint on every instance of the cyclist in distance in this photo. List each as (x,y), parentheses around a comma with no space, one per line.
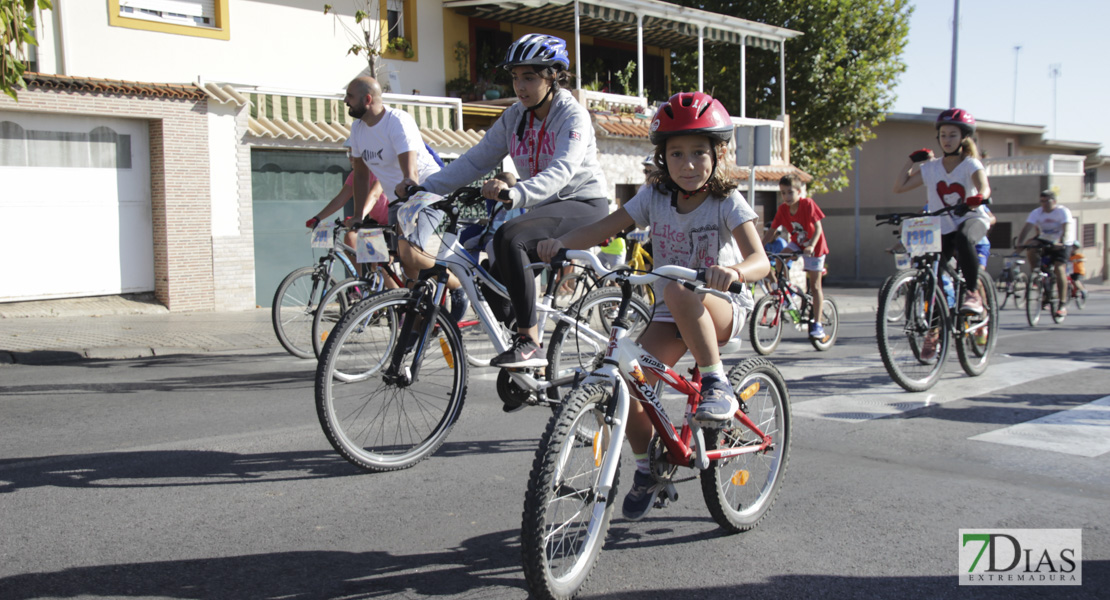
(698,220)
(1051,223)
(956,179)
(550,138)
(801,218)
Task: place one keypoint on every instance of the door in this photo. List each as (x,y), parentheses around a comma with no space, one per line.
(75,206)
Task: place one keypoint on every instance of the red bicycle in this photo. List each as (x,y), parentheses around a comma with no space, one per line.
(573,486)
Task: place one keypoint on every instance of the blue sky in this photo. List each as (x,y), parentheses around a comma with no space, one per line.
(1070,33)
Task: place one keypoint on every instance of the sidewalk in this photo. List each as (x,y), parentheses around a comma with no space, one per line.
(115,327)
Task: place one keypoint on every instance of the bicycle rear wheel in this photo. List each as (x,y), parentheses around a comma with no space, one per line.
(765,326)
(570,350)
(830,319)
(1005,290)
(974,349)
(372,417)
(1034,301)
(294,308)
(566,514)
(1080,296)
(739,491)
(907,318)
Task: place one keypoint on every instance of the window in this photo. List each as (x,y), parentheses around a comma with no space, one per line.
(1009,147)
(200,18)
(398,25)
(1088,235)
(1089,182)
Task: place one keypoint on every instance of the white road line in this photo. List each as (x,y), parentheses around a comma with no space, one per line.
(874,402)
(1081,431)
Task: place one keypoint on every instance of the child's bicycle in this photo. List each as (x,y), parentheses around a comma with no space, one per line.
(392,377)
(573,485)
(915,320)
(786,302)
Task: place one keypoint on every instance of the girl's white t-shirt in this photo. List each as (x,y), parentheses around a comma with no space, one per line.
(948,189)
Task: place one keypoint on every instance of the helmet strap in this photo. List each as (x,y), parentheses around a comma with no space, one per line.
(532,109)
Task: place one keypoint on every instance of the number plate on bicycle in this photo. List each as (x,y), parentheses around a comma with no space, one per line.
(417,207)
(921,235)
(321,236)
(372,246)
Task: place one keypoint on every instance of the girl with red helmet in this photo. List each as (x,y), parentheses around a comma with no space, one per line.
(697,220)
(957,178)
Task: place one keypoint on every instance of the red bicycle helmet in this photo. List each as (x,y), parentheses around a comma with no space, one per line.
(958,117)
(691,113)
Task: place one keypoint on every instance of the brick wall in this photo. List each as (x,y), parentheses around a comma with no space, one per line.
(179,180)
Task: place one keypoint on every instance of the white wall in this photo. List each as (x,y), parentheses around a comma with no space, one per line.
(223,170)
(288,44)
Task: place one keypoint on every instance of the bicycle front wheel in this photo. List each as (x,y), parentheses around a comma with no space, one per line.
(912,331)
(1034,301)
(294,308)
(1080,296)
(830,319)
(577,347)
(974,348)
(740,490)
(376,419)
(566,514)
(765,327)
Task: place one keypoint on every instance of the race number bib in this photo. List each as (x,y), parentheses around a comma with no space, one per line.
(372,246)
(921,235)
(321,236)
(417,207)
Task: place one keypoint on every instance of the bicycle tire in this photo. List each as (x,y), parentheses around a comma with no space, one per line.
(336,303)
(901,330)
(294,308)
(1034,301)
(1005,289)
(357,416)
(1020,288)
(1080,297)
(564,523)
(741,490)
(567,351)
(975,350)
(830,319)
(765,325)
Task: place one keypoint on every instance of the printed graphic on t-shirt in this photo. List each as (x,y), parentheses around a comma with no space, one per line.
(799,233)
(526,146)
(694,250)
(950,194)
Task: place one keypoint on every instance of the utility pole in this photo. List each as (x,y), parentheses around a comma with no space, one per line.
(1013,112)
(955,53)
(1054,74)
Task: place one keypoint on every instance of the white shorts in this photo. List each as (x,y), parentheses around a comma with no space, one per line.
(809,263)
(739,318)
(425,236)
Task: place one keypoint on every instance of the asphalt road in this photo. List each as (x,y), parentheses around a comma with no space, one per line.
(207,476)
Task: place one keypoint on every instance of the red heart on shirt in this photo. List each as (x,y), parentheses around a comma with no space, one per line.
(944,189)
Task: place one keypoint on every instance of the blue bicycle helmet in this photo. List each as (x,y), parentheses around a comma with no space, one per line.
(539,50)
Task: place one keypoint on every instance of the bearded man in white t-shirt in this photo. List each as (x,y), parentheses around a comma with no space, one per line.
(389,143)
(1051,224)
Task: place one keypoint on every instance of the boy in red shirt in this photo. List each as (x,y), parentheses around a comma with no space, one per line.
(801,217)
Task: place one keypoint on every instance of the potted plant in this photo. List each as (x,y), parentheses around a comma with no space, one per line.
(401,46)
(459,87)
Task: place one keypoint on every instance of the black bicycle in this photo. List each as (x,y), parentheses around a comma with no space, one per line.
(916,321)
(1012,281)
(1042,289)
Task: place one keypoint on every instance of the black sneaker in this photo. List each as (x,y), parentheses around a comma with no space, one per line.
(522,353)
(641,498)
(459,304)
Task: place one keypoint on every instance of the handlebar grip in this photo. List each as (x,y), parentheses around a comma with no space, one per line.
(559,259)
(884,217)
(736,287)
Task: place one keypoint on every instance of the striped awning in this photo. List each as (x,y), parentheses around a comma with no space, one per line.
(619,24)
(323,119)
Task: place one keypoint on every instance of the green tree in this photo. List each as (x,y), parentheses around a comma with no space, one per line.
(17,24)
(840,75)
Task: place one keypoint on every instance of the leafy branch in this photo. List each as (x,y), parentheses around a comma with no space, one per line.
(367,39)
(17,21)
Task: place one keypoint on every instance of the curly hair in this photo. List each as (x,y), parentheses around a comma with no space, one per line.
(720,184)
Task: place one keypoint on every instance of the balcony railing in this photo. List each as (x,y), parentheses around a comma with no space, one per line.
(780,142)
(1038,164)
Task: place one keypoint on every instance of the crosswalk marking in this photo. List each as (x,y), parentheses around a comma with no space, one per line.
(874,402)
(1081,431)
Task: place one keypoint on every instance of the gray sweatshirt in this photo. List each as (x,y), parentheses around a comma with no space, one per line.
(565,166)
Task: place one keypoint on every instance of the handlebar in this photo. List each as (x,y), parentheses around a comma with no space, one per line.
(897,218)
(680,274)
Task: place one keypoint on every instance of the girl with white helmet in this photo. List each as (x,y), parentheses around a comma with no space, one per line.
(550,138)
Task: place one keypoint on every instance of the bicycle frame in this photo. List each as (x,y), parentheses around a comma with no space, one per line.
(784,289)
(623,370)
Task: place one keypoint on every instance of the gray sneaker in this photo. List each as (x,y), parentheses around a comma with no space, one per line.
(641,498)
(718,403)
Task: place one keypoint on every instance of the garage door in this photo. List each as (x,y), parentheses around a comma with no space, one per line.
(75,206)
(287,188)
